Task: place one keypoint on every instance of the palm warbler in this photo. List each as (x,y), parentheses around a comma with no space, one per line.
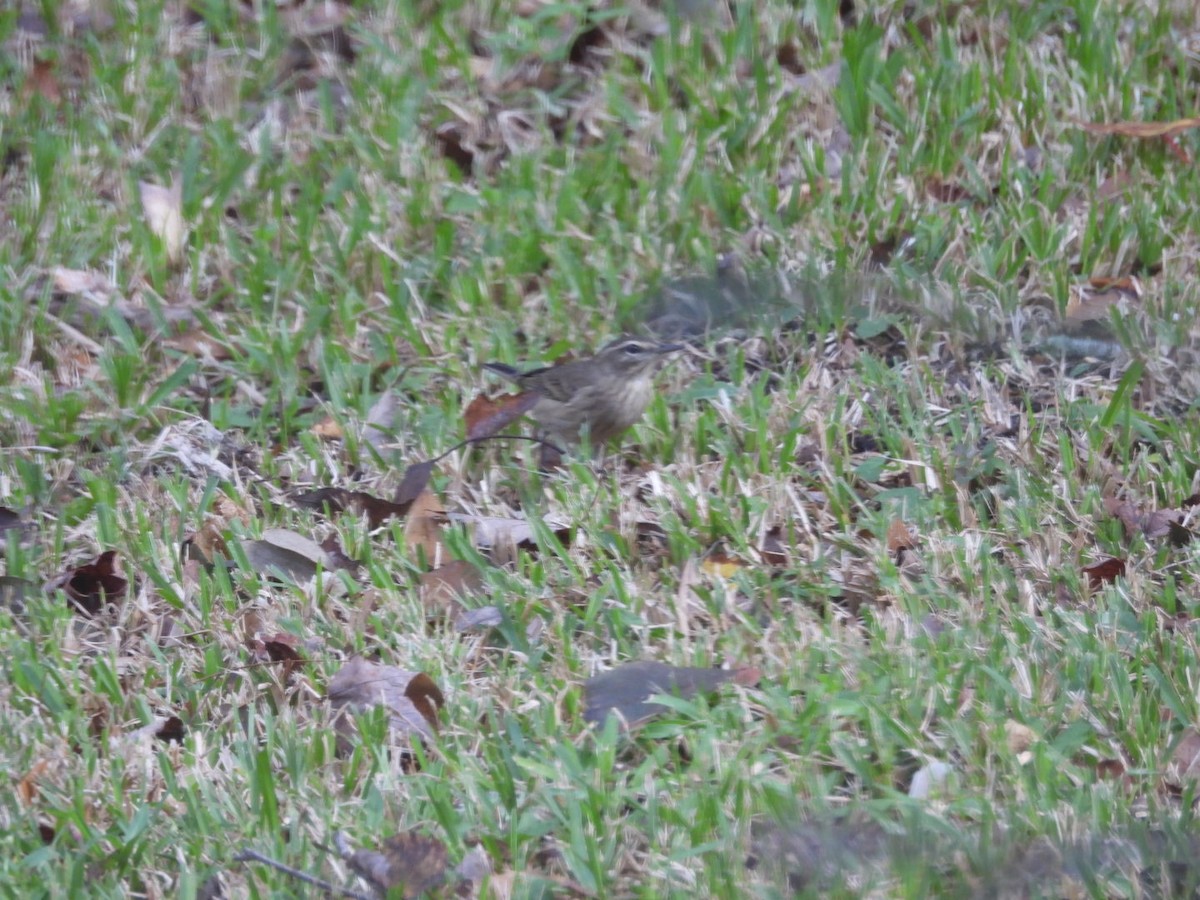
(595,399)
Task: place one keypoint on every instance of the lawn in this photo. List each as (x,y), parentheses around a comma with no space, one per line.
(889,593)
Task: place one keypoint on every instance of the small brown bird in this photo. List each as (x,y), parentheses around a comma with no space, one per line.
(594,399)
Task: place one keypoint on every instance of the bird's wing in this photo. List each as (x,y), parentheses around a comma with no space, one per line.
(554,382)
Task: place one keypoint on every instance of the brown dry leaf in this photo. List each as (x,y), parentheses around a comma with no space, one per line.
(329,430)
(205,546)
(773,550)
(411,699)
(171,730)
(337,500)
(1100,573)
(408,865)
(1139,129)
(168,729)
(443,588)
(42,81)
(423,530)
(1185,759)
(27,787)
(788,57)
(1127,512)
(279,648)
(336,558)
(415,480)
(453,141)
(229,510)
(1153,524)
(487,416)
(90,586)
(163,209)
(627,689)
(899,537)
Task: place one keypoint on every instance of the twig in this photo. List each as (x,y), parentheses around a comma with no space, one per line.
(255,856)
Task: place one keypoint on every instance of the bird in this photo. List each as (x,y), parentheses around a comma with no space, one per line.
(597,399)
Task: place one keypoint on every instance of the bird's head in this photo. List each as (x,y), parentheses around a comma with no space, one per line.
(635,357)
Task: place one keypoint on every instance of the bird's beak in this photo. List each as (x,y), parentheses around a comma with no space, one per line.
(668,348)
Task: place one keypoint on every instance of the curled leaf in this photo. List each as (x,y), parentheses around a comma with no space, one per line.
(92,585)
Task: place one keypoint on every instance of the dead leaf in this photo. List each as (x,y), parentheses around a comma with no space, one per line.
(337,500)
(27,787)
(1139,129)
(1153,524)
(408,865)
(206,546)
(411,699)
(285,553)
(788,57)
(336,558)
(443,588)
(89,587)
(423,530)
(487,416)
(279,648)
(773,550)
(453,142)
(168,729)
(1103,572)
(328,429)
(171,730)
(379,430)
(1185,759)
(899,538)
(627,689)
(43,82)
(163,209)
(415,480)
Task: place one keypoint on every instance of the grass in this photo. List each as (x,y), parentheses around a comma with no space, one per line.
(476,184)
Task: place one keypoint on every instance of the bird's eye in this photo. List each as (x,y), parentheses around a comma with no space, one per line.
(633,349)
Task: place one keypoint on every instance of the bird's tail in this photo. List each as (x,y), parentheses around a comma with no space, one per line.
(506,370)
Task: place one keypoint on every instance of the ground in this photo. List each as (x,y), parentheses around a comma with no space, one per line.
(889,593)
